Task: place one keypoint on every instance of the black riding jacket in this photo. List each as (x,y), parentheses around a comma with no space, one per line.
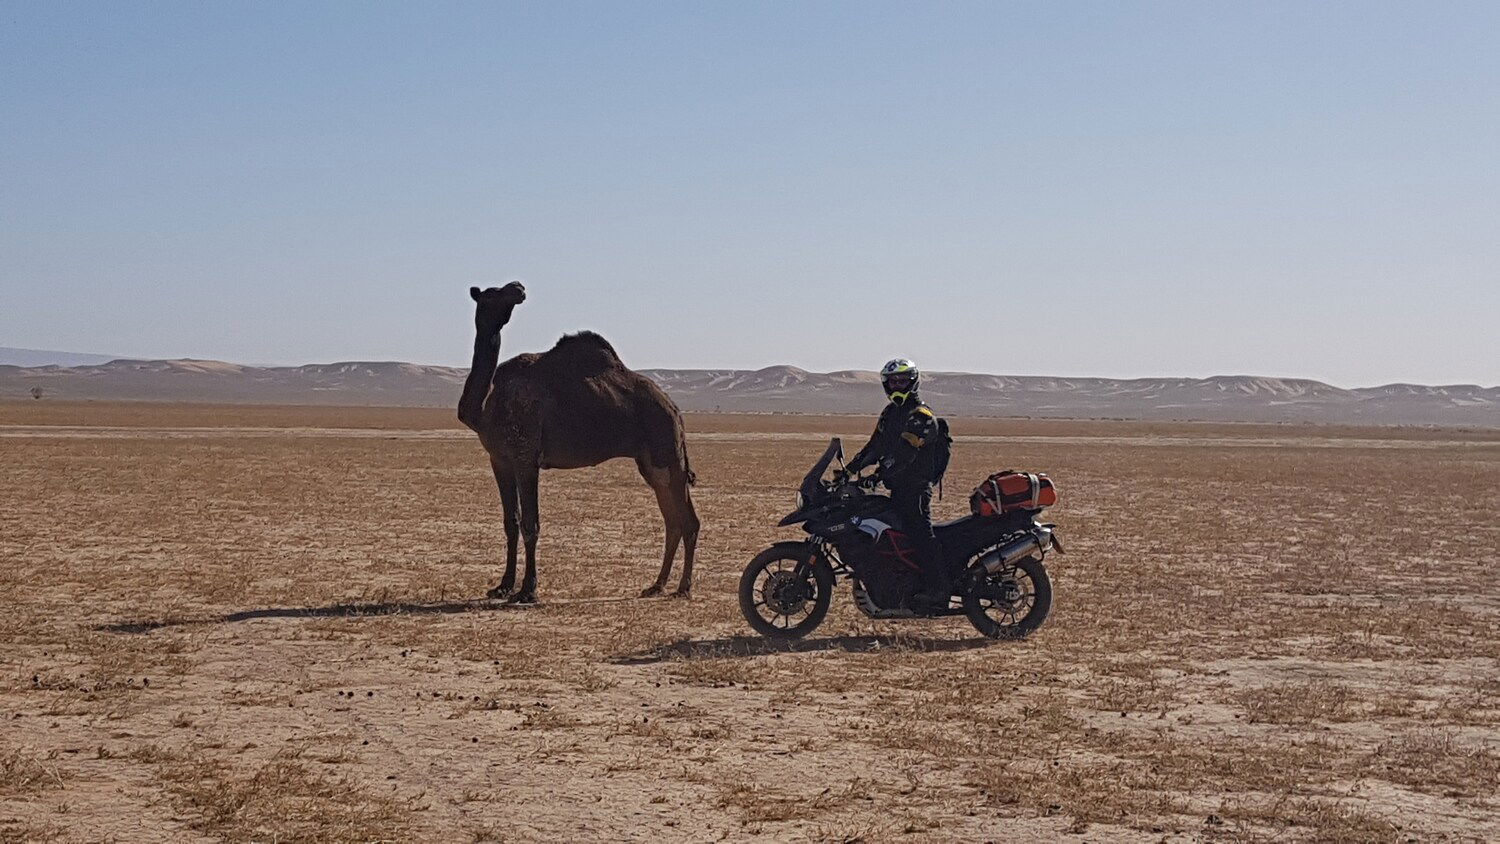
(901,445)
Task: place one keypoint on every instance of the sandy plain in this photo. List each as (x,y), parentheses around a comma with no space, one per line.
(264,623)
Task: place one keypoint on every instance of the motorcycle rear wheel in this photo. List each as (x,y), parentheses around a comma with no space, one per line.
(1012,603)
(778,604)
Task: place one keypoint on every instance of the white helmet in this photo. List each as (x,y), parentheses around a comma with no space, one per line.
(899,377)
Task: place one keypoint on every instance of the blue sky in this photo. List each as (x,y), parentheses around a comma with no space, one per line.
(1300,189)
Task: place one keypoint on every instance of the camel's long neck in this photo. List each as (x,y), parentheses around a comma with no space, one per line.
(481,371)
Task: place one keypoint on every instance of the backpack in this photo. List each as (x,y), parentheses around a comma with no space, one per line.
(942,452)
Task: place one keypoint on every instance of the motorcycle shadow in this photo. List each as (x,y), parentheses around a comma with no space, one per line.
(752,646)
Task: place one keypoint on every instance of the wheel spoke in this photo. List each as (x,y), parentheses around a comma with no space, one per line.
(1005,604)
(785,594)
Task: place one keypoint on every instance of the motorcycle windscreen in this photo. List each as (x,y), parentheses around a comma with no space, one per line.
(812,485)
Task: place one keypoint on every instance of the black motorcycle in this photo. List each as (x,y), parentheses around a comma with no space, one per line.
(1001,583)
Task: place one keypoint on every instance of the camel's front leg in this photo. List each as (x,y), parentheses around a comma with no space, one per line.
(531,524)
(505,479)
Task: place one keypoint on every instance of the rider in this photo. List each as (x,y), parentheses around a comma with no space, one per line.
(905,445)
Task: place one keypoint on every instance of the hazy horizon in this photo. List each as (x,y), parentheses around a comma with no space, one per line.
(871,369)
(1081,190)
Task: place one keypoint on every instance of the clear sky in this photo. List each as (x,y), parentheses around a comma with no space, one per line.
(1116,189)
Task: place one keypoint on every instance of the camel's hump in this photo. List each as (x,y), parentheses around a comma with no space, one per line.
(585,349)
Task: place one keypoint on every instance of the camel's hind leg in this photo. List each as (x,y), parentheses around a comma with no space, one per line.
(689,527)
(680,521)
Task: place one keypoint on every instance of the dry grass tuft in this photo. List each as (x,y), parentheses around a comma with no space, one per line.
(17,829)
(1440,761)
(714,672)
(23,773)
(281,799)
(1278,816)
(1298,703)
(1089,790)
(758,804)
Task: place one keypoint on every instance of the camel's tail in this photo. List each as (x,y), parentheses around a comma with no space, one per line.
(687,466)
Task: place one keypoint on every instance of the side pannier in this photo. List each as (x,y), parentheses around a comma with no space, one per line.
(1008,491)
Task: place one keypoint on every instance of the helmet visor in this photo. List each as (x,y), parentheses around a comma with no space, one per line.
(899,382)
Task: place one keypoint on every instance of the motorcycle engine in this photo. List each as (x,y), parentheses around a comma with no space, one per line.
(887,582)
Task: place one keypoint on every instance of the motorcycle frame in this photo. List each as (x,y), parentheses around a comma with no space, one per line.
(825,551)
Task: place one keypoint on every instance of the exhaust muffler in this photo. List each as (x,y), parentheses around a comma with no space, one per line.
(1038,539)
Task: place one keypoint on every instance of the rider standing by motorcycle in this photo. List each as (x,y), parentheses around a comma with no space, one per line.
(910,446)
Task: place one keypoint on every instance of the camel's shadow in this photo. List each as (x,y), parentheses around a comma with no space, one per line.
(751,646)
(729,646)
(345,610)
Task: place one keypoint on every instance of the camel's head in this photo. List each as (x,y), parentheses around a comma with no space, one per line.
(495,304)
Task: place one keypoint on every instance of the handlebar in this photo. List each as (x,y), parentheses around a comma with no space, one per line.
(869,482)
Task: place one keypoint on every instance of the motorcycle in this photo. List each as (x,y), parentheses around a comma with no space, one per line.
(853,533)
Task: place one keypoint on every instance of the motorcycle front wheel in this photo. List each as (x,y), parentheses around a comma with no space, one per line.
(1011,603)
(785,591)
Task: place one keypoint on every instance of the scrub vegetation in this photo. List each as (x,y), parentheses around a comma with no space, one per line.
(268,624)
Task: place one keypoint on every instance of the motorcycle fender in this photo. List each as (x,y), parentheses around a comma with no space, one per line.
(803,514)
(805,551)
(1056,543)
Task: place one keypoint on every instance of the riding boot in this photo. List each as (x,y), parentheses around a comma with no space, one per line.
(914,506)
(937,584)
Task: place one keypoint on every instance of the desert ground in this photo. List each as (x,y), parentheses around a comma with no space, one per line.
(266,623)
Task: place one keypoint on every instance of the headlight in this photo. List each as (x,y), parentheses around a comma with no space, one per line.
(799,500)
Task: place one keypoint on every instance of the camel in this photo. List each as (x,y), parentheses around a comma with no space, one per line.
(573,406)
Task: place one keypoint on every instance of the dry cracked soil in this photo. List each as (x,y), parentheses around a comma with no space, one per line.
(227,623)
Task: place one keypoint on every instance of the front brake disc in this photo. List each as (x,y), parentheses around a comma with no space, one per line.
(784,593)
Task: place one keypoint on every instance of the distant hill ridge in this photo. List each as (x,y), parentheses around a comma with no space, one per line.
(1218,398)
(789,389)
(47,357)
